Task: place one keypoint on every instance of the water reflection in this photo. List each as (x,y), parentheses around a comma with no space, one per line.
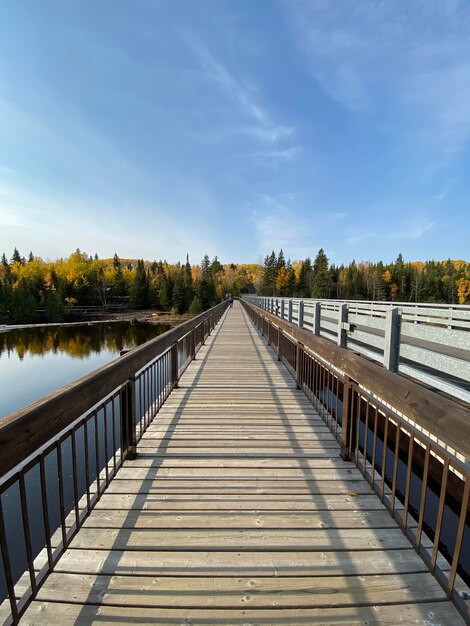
(77,341)
(37,361)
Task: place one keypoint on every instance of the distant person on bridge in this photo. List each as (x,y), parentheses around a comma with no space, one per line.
(230,299)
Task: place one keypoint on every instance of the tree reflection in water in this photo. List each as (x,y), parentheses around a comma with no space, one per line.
(78,341)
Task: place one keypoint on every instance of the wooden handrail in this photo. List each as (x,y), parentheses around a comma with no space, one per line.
(26,430)
(447,420)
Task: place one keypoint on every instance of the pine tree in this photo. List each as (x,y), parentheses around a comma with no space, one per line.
(268,282)
(206,285)
(304,285)
(17,258)
(139,287)
(188,284)
(119,284)
(195,307)
(321,279)
(179,292)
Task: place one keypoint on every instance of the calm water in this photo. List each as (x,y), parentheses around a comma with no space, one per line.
(37,361)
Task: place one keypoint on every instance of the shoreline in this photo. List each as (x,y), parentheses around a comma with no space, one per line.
(145,316)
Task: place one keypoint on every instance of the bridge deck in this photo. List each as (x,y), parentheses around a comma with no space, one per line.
(239,510)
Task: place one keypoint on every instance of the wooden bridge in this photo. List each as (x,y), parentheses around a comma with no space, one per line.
(238,507)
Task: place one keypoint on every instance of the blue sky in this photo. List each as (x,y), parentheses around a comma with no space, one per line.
(156,128)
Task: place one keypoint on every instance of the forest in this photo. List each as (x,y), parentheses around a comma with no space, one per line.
(33,290)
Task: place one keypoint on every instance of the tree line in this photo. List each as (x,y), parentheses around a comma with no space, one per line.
(400,281)
(34,290)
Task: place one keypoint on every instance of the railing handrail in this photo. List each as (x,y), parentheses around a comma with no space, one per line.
(26,430)
(441,417)
(379,303)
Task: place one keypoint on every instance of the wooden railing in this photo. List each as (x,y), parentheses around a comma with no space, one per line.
(59,454)
(388,426)
(427,342)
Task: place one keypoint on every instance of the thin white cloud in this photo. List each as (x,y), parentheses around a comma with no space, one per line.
(242,94)
(411,229)
(411,56)
(278,226)
(274,157)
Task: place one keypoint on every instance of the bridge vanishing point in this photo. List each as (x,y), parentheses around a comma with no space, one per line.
(234,479)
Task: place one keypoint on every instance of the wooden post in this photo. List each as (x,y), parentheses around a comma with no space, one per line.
(316,318)
(342,329)
(392,339)
(289,312)
(279,343)
(282,308)
(174,366)
(345,442)
(301,314)
(268,333)
(128,424)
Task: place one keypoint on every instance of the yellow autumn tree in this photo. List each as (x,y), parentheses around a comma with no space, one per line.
(282,282)
(463,290)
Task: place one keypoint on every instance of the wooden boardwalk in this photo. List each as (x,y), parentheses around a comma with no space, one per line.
(239,510)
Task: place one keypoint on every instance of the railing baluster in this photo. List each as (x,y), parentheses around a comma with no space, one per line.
(424,487)
(408,480)
(75,479)
(60,475)
(440,514)
(7,567)
(384,458)
(45,510)
(395,466)
(27,532)
(460,534)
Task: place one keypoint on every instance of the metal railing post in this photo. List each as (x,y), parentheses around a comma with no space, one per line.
(128,420)
(345,417)
(192,344)
(392,339)
(174,366)
(298,364)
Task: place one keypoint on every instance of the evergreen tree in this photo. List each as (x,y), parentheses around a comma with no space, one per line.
(139,287)
(304,285)
(195,307)
(166,293)
(206,286)
(179,292)
(17,258)
(291,282)
(268,282)
(321,279)
(188,284)
(119,284)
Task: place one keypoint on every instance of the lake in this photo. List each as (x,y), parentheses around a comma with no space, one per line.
(38,360)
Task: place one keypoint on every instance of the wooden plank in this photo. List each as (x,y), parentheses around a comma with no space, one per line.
(251,563)
(240,539)
(243,473)
(136,519)
(246,487)
(245,502)
(236,591)
(153,461)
